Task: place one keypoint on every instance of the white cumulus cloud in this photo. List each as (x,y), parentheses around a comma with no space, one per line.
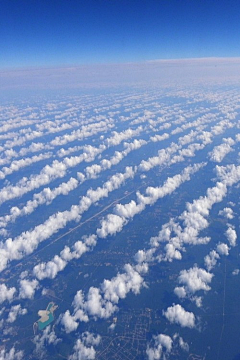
(177,314)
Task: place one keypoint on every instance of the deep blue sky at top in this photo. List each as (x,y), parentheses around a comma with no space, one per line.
(64,32)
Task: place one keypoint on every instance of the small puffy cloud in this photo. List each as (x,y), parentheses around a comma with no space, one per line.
(84,347)
(12,354)
(193,280)
(223,249)
(229,174)
(27,288)
(91,339)
(183,345)
(219,152)
(162,345)
(14,312)
(210,260)
(227,213)
(144,256)
(231,236)
(197,300)
(171,253)
(157,137)
(117,138)
(136,144)
(129,210)
(93,305)
(162,158)
(43,339)
(177,314)
(165,341)
(6,293)
(112,326)
(96,306)
(180,291)
(220,127)
(235,272)
(110,225)
(118,287)
(68,322)
(49,269)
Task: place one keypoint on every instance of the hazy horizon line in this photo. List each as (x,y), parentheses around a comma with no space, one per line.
(141,62)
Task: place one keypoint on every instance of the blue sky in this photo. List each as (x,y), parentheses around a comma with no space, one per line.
(56,32)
